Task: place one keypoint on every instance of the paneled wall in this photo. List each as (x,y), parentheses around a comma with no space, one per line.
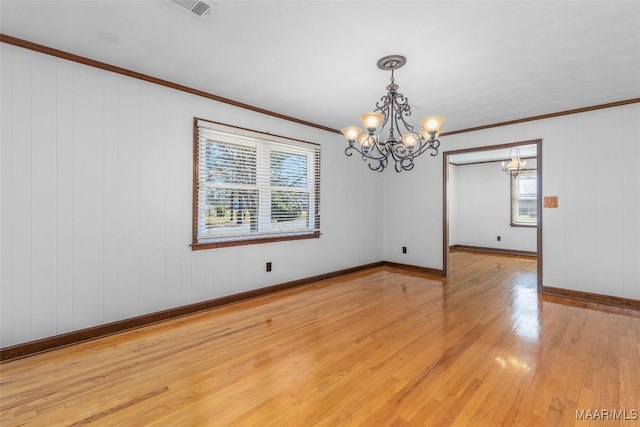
(479,209)
(96,194)
(591,242)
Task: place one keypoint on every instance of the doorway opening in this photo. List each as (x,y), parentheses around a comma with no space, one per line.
(493,155)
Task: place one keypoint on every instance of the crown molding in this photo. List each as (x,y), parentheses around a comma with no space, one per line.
(4,38)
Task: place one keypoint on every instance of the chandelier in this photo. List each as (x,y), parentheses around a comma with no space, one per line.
(400,143)
(516,165)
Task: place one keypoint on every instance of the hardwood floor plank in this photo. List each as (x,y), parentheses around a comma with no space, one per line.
(377,347)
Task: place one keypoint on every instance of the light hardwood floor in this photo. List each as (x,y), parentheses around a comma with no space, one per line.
(377,347)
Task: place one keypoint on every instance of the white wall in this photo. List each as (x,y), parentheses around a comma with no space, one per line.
(96,193)
(591,242)
(479,209)
(413,213)
(95,202)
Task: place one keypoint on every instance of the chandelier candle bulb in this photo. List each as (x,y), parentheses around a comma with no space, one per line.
(432,125)
(516,164)
(409,140)
(351,133)
(384,140)
(364,140)
(371,121)
(427,136)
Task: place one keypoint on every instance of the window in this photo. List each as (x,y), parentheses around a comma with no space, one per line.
(251,187)
(524,199)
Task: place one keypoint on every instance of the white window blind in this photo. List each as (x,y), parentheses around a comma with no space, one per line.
(524,198)
(252,187)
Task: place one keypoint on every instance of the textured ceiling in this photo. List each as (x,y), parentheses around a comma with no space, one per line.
(474,62)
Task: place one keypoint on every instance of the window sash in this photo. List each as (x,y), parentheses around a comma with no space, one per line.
(524,198)
(252,188)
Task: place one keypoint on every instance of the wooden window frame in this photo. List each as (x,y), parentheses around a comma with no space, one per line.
(264,137)
(519,224)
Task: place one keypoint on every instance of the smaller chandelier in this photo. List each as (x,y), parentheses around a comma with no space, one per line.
(401,143)
(515,165)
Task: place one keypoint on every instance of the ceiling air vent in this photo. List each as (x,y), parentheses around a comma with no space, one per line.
(199,7)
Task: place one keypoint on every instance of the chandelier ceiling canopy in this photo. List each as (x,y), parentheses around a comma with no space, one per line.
(388,137)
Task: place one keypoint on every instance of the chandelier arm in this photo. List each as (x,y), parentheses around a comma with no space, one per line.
(385,99)
(404,164)
(402,104)
(409,127)
(380,147)
(397,125)
(407,164)
(400,151)
(395,112)
(369,156)
(378,168)
(393,118)
(422,148)
(348,151)
(384,108)
(404,109)
(403,157)
(369,159)
(431,144)
(435,144)
(398,166)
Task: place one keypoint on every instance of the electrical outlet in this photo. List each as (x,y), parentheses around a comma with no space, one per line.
(499,238)
(404,249)
(269,266)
